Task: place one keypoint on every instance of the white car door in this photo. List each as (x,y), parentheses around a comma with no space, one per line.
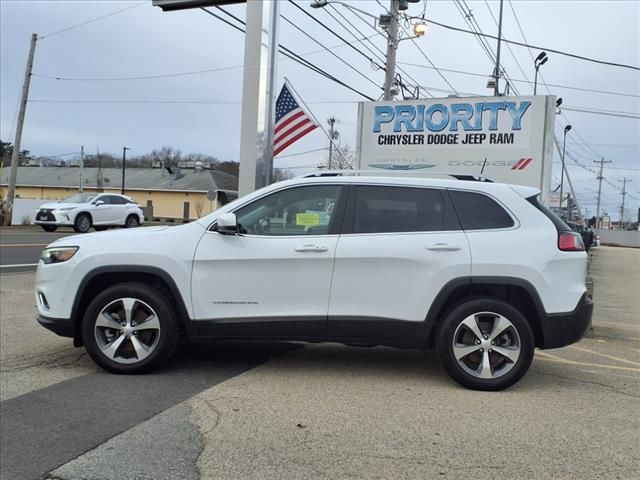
(100,213)
(117,210)
(273,279)
(399,247)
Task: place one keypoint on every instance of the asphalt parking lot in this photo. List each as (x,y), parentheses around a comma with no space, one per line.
(322,411)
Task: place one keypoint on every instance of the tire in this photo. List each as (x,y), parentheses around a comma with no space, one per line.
(148,338)
(100,229)
(477,363)
(82,224)
(49,228)
(132,221)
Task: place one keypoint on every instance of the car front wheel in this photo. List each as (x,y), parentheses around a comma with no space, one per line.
(82,223)
(485,344)
(130,328)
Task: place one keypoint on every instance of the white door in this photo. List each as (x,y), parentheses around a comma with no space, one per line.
(101,214)
(273,278)
(117,210)
(399,247)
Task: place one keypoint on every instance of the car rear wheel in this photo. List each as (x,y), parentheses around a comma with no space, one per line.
(49,228)
(82,223)
(485,344)
(132,222)
(130,328)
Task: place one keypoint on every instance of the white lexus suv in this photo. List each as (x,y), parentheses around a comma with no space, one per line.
(480,271)
(84,210)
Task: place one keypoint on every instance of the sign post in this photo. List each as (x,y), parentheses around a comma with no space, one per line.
(258,86)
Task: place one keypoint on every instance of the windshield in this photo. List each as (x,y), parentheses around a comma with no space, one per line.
(79,198)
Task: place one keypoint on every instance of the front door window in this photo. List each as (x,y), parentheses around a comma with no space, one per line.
(308,210)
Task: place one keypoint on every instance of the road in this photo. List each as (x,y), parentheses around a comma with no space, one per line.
(20,247)
(322,411)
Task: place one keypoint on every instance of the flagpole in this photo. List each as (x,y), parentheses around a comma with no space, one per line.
(298,97)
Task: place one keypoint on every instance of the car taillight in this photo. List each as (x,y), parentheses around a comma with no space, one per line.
(570,242)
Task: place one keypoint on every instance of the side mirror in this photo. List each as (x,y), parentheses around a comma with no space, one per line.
(99,202)
(227,224)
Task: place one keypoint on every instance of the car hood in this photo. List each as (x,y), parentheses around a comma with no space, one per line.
(57,205)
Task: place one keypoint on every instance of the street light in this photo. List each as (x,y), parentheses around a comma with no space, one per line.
(564,144)
(539,61)
(124,158)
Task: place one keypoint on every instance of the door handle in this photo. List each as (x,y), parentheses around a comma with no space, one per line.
(443,247)
(311,248)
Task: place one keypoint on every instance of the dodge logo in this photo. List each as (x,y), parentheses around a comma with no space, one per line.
(522,164)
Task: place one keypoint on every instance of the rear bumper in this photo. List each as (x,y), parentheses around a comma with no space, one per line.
(59,326)
(561,329)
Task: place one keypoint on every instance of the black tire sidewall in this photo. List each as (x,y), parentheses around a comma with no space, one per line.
(166,316)
(76,223)
(126,222)
(445,344)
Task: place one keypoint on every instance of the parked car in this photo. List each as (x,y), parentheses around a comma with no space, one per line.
(482,272)
(85,210)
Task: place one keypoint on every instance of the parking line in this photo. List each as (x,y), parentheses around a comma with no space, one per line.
(552,358)
(19,265)
(610,357)
(2,245)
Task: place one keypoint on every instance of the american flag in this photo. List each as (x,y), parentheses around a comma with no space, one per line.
(292,122)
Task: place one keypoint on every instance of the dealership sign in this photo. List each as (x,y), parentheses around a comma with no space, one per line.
(506,139)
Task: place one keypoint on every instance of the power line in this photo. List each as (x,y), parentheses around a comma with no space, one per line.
(520,44)
(288,53)
(508,46)
(380,55)
(93,20)
(430,62)
(633,115)
(518,80)
(303,153)
(360,52)
(329,51)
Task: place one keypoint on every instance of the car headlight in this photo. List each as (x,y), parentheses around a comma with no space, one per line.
(66,209)
(57,254)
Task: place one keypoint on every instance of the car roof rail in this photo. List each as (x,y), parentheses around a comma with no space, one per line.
(400,173)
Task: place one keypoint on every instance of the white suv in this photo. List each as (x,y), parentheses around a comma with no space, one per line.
(84,210)
(480,271)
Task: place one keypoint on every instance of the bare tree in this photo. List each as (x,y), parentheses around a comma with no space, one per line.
(167,156)
(343,158)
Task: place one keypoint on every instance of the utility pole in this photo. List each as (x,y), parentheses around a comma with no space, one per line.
(333,134)
(392,48)
(624,193)
(81,167)
(496,90)
(15,155)
(124,158)
(600,177)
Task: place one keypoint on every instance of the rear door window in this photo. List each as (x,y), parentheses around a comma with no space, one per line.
(389,209)
(115,200)
(477,211)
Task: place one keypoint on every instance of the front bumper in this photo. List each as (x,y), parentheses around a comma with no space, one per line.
(561,329)
(60,326)
(54,217)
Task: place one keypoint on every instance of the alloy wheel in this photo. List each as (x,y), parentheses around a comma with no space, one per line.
(486,345)
(127,330)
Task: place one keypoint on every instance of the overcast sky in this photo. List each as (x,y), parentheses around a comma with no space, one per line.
(144,41)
